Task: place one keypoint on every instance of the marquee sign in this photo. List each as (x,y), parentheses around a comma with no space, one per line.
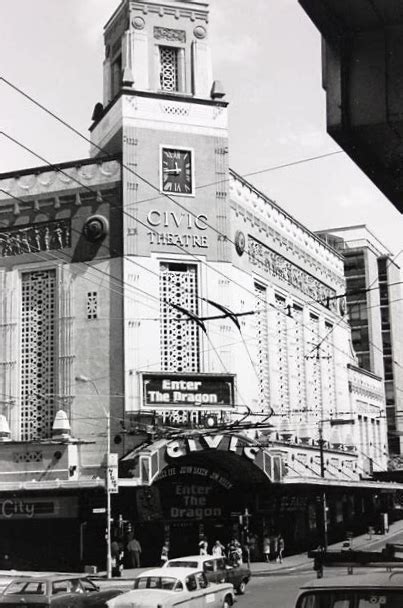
(188,390)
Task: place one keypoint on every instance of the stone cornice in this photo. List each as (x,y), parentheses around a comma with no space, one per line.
(59,178)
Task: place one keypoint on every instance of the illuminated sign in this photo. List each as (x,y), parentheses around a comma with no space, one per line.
(194,390)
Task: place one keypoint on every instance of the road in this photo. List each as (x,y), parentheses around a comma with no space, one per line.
(273,591)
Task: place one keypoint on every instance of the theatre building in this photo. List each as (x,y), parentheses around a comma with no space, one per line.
(158,307)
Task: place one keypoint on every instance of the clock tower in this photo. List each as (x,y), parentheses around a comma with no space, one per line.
(166,115)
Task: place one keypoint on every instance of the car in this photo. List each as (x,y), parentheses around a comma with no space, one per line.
(184,587)
(55,591)
(375,590)
(217,569)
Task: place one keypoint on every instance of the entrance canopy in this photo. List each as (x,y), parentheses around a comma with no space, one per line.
(234,452)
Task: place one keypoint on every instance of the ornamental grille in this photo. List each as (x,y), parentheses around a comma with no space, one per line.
(314,368)
(299,357)
(38,376)
(169,68)
(327,347)
(179,336)
(262,345)
(282,355)
(92,305)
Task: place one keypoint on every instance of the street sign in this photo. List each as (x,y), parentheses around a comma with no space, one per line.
(99,510)
(112,477)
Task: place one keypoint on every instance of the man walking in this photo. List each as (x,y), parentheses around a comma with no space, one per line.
(134,549)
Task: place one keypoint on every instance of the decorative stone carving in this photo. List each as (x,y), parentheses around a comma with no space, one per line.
(138,23)
(96,228)
(200,32)
(277,266)
(34,238)
(166,33)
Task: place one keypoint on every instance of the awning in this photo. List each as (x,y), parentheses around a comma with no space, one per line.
(54,484)
(149,461)
(358,483)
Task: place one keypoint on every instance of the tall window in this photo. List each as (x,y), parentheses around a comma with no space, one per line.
(354,269)
(282,355)
(169,75)
(37,356)
(314,368)
(262,346)
(179,335)
(116,75)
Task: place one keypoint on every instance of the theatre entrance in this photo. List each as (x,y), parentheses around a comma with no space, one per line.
(198,497)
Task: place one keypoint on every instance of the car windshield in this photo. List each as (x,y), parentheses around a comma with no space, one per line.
(158,582)
(26,588)
(182,563)
(352,599)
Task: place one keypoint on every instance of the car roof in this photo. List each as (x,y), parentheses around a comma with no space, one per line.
(47,577)
(193,558)
(178,572)
(374,580)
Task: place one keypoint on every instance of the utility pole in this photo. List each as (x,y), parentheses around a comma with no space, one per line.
(323,494)
(110,466)
(108,498)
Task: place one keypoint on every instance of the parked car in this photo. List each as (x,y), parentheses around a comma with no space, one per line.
(184,587)
(56,591)
(378,590)
(217,569)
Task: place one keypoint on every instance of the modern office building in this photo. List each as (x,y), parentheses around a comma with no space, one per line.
(375,313)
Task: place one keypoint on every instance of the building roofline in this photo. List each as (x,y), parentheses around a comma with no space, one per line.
(355,227)
(60,166)
(288,215)
(363,371)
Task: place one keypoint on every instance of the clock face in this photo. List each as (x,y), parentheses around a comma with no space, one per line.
(177,171)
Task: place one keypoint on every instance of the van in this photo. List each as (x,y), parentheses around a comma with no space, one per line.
(375,590)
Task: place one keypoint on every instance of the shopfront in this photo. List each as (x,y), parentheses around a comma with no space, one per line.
(223,486)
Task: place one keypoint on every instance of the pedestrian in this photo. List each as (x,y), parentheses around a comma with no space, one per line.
(273,547)
(266,548)
(117,558)
(280,548)
(234,552)
(164,553)
(218,549)
(134,549)
(203,546)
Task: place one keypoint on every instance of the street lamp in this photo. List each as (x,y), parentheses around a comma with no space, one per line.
(86,380)
(321,443)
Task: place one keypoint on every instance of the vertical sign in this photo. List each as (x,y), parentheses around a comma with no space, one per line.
(112,477)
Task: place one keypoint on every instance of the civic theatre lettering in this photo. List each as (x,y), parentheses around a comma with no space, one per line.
(33,238)
(187,390)
(177,449)
(277,266)
(178,229)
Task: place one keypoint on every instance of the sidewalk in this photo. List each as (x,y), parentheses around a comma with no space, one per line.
(291,563)
(301,561)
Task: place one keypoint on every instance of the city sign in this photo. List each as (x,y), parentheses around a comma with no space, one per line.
(192,390)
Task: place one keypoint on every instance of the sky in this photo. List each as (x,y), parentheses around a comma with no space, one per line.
(267,54)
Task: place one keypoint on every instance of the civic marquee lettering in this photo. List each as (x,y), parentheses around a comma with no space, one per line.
(277,266)
(170,221)
(179,448)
